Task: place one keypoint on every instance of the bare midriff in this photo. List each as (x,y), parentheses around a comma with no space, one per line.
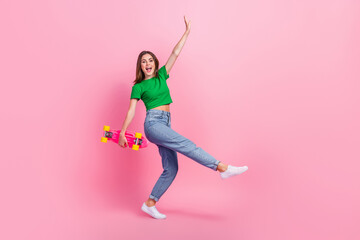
(163,107)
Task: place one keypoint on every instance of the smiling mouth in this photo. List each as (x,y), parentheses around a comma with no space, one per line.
(148,70)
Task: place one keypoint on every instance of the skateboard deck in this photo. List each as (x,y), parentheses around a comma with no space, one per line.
(135,140)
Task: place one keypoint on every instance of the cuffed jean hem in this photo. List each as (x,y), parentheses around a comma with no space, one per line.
(216,165)
(153,197)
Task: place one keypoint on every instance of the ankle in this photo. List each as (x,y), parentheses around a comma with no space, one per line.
(150,202)
(222,167)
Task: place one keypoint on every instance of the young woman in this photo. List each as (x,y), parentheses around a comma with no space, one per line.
(150,85)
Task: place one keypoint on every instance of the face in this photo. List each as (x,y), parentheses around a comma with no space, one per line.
(148,65)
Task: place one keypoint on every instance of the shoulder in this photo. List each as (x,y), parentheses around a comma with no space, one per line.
(136,87)
(162,73)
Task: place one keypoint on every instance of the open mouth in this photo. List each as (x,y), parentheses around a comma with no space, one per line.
(148,69)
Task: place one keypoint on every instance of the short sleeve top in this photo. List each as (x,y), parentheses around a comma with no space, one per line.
(154,91)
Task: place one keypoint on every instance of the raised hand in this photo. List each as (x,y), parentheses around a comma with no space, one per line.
(188,24)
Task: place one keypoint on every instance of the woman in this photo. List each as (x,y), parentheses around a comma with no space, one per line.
(151,86)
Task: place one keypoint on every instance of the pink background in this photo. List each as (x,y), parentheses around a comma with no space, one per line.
(273,85)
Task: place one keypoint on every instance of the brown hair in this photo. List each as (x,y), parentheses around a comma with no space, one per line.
(139,73)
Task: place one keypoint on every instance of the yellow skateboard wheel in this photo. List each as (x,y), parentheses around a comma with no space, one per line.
(138,135)
(106,128)
(104,139)
(135,147)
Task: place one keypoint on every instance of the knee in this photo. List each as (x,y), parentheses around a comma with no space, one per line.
(174,170)
(171,171)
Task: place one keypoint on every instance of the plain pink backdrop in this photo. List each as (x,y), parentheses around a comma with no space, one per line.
(273,85)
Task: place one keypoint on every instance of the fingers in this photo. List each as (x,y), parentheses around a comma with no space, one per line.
(123,142)
(186,21)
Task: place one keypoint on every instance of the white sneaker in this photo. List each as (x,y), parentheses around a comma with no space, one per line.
(152,211)
(232,171)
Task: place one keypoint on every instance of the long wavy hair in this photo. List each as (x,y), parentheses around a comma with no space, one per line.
(139,73)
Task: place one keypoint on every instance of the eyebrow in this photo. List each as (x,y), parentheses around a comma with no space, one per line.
(145,59)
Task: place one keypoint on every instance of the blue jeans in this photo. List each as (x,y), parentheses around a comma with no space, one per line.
(157,127)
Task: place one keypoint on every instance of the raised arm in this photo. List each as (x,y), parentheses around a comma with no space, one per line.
(177,49)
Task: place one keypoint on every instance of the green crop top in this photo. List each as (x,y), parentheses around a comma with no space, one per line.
(154,91)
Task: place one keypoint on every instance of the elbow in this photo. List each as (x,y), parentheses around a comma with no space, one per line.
(176,53)
(131,113)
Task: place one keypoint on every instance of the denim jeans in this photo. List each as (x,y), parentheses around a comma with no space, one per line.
(157,127)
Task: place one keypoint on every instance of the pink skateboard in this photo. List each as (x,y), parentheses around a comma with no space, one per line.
(134,139)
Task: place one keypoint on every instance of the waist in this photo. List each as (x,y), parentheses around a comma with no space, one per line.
(157,112)
(163,107)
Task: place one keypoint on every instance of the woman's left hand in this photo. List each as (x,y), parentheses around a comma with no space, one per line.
(188,24)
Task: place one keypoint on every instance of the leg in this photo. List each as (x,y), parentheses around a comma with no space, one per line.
(163,135)
(170,165)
